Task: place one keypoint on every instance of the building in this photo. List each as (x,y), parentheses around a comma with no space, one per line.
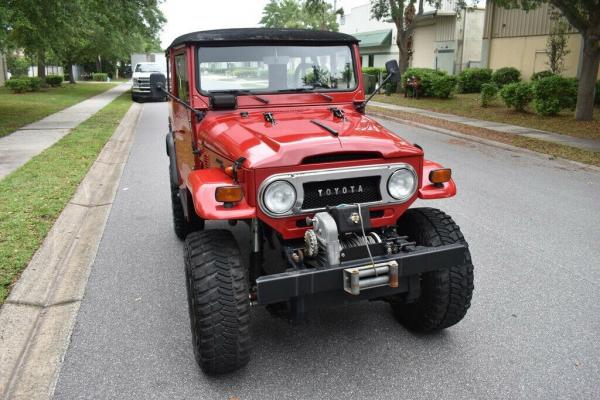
(377,38)
(447,40)
(442,39)
(515,38)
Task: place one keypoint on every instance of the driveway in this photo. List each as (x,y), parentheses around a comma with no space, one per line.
(533,330)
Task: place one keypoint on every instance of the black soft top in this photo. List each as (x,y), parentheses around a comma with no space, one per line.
(228,37)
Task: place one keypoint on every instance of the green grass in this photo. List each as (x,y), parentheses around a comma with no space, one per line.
(17,110)
(32,197)
(467,105)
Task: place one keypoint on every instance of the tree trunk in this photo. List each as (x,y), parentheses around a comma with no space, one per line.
(402,42)
(71,73)
(99,64)
(41,64)
(587,81)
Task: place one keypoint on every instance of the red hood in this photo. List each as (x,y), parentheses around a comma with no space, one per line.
(294,136)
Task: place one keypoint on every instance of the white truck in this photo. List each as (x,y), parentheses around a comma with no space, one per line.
(140,90)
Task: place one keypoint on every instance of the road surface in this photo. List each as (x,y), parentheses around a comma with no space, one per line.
(532,332)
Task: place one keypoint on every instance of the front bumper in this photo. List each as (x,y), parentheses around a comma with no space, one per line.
(329,282)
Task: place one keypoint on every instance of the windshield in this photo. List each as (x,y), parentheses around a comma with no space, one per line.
(148,68)
(276,68)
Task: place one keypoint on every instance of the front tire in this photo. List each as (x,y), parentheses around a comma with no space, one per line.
(446,293)
(218,301)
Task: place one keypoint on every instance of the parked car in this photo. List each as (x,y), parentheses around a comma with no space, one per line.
(140,89)
(267,128)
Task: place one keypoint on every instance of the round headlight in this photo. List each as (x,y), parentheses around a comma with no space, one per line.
(402,184)
(279,197)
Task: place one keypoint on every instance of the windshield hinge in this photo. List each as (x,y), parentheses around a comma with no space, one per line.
(337,112)
(236,165)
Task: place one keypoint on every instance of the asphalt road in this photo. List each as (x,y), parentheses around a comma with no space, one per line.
(533,330)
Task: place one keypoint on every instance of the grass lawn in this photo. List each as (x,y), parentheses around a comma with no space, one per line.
(32,197)
(17,110)
(467,105)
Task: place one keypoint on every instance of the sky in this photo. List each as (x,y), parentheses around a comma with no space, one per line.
(184,16)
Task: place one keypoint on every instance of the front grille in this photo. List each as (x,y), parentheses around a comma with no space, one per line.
(341,191)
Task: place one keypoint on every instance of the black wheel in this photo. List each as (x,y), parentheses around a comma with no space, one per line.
(134,98)
(181,225)
(446,293)
(218,301)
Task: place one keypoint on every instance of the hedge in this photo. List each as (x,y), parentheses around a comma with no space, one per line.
(517,95)
(375,71)
(54,80)
(553,94)
(471,79)
(542,74)
(23,84)
(370,82)
(18,85)
(427,76)
(489,91)
(100,76)
(506,75)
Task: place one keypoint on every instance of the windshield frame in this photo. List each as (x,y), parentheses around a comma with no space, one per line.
(208,93)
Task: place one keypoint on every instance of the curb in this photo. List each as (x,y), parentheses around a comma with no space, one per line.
(38,317)
(488,142)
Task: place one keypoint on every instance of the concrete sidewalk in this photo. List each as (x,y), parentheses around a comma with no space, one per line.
(20,146)
(585,144)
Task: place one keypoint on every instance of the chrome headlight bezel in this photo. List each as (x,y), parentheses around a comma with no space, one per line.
(415,182)
(270,188)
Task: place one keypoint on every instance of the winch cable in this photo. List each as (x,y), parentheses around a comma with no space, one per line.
(362,227)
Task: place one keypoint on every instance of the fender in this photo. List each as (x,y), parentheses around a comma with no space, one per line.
(202,185)
(170,145)
(428,191)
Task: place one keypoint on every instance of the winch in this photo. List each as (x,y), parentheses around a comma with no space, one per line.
(344,233)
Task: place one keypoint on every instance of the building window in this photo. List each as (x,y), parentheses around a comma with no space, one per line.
(371,60)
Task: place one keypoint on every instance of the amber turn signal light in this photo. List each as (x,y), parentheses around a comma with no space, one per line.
(440,175)
(229,194)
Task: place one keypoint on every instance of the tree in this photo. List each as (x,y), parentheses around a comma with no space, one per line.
(583,15)
(556,46)
(308,14)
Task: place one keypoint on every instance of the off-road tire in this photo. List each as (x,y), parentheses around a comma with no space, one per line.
(181,226)
(218,301)
(445,294)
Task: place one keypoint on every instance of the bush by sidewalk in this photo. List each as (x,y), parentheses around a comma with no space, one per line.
(24,84)
(54,80)
(554,93)
(517,95)
(489,91)
(506,75)
(470,80)
(426,76)
(100,76)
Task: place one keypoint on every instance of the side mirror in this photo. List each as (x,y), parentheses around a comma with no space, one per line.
(393,71)
(157,85)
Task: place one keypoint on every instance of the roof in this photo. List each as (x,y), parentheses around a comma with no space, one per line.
(375,38)
(223,37)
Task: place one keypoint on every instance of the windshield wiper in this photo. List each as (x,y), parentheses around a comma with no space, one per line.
(244,92)
(307,89)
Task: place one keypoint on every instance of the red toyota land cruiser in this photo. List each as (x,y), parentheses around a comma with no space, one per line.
(267,128)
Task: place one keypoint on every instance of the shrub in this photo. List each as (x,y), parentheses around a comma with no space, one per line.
(471,79)
(426,76)
(542,74)
(35,83)
(54,80)
(489,91)
(390,88)
(554,93)
(517,95)
(443,86)
(18,85)
(100,76)
(506,75)
(375,71)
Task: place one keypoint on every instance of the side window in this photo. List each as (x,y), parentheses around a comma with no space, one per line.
(181,76)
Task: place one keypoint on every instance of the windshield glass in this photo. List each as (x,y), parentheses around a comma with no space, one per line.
(276,68)
(148,68)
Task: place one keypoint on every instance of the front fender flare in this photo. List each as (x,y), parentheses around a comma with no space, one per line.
(203,183)
(428,190)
